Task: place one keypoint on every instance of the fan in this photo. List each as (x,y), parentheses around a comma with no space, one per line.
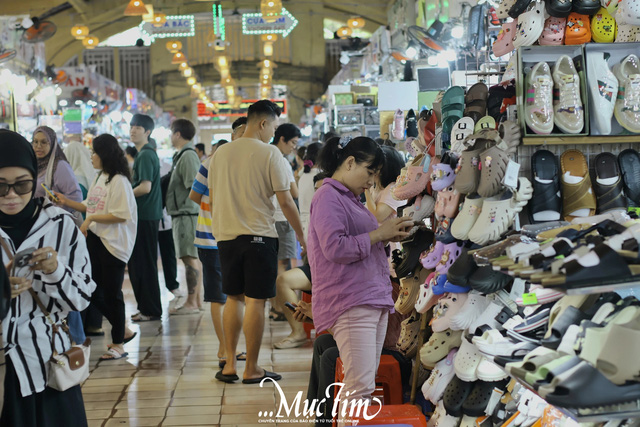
(39,31)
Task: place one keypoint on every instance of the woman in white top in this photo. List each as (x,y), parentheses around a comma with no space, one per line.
(110,227)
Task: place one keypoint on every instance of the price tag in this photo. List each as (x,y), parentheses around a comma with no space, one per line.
(511,175)
(517,288)
(634,209)
(529,299)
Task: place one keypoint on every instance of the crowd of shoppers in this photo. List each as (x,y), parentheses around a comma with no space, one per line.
(231,217)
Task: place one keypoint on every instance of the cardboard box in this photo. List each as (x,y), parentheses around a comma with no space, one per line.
(528,57)
(618,52)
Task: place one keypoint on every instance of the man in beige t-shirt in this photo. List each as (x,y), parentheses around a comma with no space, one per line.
(243,176)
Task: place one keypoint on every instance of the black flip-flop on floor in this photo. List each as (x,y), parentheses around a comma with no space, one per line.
(629,161)
(267,374)
(546,196)
(126,340)
(240,357)
(608,196)
(227,378)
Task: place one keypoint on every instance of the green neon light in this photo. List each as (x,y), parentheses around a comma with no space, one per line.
(285,31)
(190,32)
(218,22)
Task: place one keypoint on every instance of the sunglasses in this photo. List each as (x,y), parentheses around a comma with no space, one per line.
(20,187)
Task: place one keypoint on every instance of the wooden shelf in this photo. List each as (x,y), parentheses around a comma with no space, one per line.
(570,140)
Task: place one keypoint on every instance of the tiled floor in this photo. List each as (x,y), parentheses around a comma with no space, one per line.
(168,378)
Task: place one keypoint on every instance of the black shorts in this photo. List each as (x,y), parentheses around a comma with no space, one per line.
(306,269)
(249,266)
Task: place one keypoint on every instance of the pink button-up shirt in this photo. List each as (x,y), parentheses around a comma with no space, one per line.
(346,270)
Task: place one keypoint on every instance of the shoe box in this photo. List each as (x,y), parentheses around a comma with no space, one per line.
(528,57)
(617,52)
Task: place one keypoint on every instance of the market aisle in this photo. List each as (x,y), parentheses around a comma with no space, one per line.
(168,378)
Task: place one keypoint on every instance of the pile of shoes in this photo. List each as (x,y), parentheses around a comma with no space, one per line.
(567,190)
(565,22)
(507,340)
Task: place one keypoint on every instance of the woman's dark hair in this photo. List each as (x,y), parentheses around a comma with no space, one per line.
(393,164)
(301,151)
(311,155)
(364,150)
(131,150)
(111,155)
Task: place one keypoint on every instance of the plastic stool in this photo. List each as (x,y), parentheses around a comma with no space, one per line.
(395,415)
(388,376)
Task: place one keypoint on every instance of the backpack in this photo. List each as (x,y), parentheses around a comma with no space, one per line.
(165,179)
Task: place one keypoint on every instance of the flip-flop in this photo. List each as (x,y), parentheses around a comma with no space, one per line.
(629,161)
(546,186)
(112,354)
(241,356)
(267,374)
(126,340)
(286,343)
(227,378)
(609,196)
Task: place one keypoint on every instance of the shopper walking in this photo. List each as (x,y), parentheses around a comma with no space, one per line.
(110,228)
(143,263)
(183,210)
(208,247)
(351,285)
(243,176)
(59,274)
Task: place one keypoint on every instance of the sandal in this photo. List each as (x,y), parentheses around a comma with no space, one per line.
(553,32)
(462,269)
(441,375)
(504,43)
(476,403)
(413,248)
(454,396)
(461,130)
(609,196)
(467,217)
(546,204)
(576,196)
(289,342)
(493,165)
(451,201)
(466,362)
(446,308)
(473,308)
(498,214)
(409,290)
(416,179)
(629,161)
(476,101)
(408,339)
(442,176)
(438,346)
(426,298)
(113,354)
(450,254)
(433,257)
(485,123)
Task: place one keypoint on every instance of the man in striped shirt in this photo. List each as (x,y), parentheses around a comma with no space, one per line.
(206,243)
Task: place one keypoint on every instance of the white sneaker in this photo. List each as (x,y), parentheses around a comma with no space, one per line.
(568,112)
(539,101)
(627,109)
(603,87)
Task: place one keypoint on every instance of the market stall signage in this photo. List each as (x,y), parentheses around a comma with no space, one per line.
(176,26)
(226,110)
(254,24)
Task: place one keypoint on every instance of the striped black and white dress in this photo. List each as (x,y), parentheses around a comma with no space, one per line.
(26,331)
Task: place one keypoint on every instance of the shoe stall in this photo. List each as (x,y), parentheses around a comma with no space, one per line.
(520,282)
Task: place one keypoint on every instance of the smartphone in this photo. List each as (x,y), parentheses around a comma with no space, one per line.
(23,258)
(290,306)
(50,193)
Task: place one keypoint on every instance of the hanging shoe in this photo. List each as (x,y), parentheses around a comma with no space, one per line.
(578,29)
(603,27)
(530,25)
(398,124)
(553,32)
(628,12)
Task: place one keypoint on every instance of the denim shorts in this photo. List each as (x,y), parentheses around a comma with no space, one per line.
(211,276)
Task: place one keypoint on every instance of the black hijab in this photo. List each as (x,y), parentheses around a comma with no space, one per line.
(17,152)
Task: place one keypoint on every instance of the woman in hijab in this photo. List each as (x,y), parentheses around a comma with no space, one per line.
(53,168)
(28,224)
(79,158)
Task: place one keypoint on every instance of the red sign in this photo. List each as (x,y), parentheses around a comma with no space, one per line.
(225,110)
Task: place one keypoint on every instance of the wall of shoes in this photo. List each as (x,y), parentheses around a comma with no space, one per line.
(535,231)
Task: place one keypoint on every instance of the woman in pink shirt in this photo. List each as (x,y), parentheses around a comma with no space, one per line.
(346,248)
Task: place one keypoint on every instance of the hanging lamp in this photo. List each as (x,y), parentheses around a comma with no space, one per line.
(135,8)
(271,10)
(178,58)
(355,22)
(159,19)
(344,32)
(90,42)
(174,46)
(148,16)
(79,31)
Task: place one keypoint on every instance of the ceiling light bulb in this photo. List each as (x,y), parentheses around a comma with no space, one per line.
(191,81)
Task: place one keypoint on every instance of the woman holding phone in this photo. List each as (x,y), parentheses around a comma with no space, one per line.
(352,293)
(49,234)
(110,227)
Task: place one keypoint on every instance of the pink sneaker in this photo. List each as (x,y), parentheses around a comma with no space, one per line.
(553,33)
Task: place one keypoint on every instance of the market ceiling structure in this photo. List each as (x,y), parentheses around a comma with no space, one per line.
(106,18)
